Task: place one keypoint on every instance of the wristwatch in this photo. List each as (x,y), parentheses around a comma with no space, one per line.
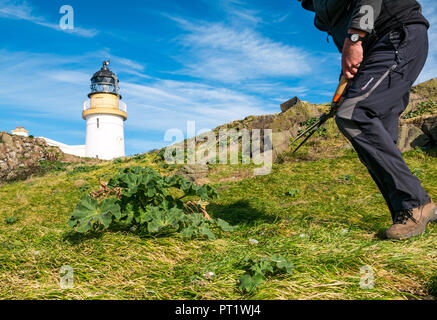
(355,37)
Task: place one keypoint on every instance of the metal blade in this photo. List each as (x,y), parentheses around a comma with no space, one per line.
(305,140)
(313,130)
(306,131)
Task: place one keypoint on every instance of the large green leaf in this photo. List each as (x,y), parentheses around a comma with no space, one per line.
(188,232)
(156,222)
(175,216)
(262,267)
(202,193)
(150,192)
(283,264)
(149,199)
(146,215)
(225,226)
(130,213)
(249,283)
(110,206)
(154,226)
(206,231)
(89,213)
(196,219)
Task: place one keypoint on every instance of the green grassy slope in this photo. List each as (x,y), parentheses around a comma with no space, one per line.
(427,89)
(329,228)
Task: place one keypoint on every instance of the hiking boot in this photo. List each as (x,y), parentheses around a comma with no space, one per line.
(413,222)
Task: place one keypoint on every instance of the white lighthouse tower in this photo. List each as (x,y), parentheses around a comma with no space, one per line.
(105,114)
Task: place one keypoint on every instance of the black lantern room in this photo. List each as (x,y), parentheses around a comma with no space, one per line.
(104,81)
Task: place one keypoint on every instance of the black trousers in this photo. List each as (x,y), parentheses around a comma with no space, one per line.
(369,116)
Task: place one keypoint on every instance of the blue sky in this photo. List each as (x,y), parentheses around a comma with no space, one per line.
(177,61)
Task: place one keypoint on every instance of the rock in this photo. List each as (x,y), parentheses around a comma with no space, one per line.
(19,158)
(262,122)
(193,172)
(411,137)
(290,104)
(430,128)
(281,143)
(41,142)
(3,166)
(7,140)
(291,119)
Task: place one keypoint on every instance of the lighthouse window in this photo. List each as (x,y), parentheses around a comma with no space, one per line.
(98,123)
(97,87)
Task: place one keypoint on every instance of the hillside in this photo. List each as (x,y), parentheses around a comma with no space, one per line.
(417,128)
(318,209)
(22,157)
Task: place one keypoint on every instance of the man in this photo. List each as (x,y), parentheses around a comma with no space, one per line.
(384,46)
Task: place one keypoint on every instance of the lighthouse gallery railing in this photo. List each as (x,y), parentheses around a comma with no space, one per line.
(121,106)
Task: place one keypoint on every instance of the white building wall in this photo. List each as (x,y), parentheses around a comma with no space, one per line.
(22,134)
(105,136)
(78,151)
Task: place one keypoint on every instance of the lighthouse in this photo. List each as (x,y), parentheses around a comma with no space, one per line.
(104,114)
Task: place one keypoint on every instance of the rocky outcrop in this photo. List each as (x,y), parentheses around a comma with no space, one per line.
(411,137)
(417,132)
(284,125)
(418,128)
(290,104)
(429,127)
(415,99)
(22,156)
(194,172)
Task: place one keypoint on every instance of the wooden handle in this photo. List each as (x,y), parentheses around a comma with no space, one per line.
(340,89)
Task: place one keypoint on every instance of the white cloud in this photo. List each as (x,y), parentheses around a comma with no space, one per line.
(57,85)
(22,10)
(72,77)
(129,63)
(231,55)
(167,104)
(40,82)
(237,72)
(236,11)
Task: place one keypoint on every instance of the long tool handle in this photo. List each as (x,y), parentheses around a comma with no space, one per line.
(306,131)
(335,102)
(313,130)
(340,89)
(306,139)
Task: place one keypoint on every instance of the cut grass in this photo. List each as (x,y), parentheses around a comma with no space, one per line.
(329,230)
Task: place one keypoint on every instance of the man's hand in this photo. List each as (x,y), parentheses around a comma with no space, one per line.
(352,56)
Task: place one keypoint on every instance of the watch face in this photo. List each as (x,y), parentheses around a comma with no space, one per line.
(355,37)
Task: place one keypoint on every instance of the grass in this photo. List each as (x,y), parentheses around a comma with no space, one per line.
(326,216)
(423,108)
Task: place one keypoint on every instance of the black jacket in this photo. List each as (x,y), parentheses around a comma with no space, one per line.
(337,16)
